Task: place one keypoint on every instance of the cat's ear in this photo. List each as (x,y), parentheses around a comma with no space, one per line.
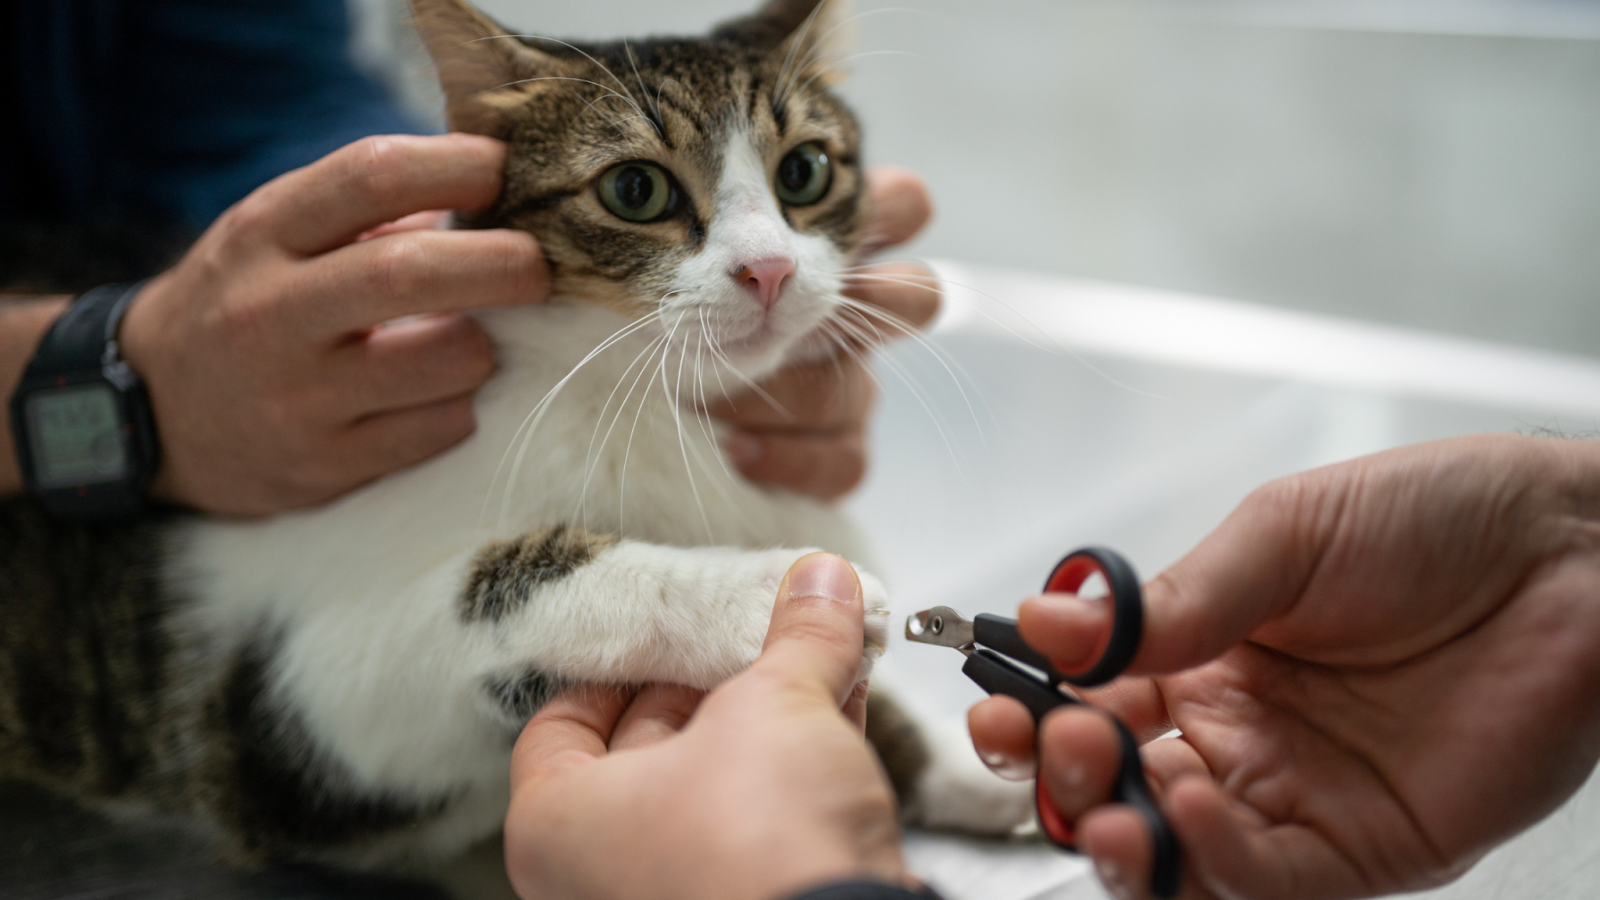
(812,35)
(484,70)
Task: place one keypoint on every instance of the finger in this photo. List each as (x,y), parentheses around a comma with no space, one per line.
(826,396)
(416,272)
(390,441)
(902,298)
(1079,756)
(657,712)
(1232,852)
(898,206)
(1071,630)
(855,706)
(568,731)
(1002,733)
(1251,569)
(372,181)
(825,466)
(1138,702)
(1168,761)
(423,221)
(409,363)
(815,639)
(1119,841)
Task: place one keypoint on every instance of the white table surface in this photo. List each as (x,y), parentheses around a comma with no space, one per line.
(1055,413)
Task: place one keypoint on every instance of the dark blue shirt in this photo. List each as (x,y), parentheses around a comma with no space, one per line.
(172,109)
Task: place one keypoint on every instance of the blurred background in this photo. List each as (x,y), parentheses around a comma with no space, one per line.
(1427,163)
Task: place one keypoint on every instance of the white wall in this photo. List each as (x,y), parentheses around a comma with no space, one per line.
(1421,162)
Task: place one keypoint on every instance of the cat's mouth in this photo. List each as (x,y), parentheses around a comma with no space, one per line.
(757,339)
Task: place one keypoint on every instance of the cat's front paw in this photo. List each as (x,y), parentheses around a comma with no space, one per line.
(753,612)
(875,620)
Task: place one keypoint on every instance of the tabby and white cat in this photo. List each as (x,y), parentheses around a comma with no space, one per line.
(345,683)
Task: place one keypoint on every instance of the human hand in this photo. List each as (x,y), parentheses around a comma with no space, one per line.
(766,789)
(1396,666)
(813,440)
(272,386)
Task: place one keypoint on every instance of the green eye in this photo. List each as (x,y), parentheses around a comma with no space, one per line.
(804,175)
(638,192)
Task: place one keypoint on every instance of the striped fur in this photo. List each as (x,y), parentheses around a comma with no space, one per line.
(344,684)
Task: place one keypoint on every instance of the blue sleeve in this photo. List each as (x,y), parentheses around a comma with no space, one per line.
(178,108)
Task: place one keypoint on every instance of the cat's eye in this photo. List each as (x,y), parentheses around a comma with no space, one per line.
(804,175)
(638,192)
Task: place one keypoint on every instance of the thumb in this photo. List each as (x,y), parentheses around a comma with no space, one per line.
(815,638)
(1249,571)
(572,729)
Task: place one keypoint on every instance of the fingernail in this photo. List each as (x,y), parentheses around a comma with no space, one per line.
(1111,876)
(743,449)
(1007,766)
(823,575)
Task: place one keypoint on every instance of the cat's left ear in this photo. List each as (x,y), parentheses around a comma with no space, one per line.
(813,36)
(486,72)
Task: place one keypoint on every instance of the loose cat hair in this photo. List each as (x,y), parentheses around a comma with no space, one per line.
(344,684)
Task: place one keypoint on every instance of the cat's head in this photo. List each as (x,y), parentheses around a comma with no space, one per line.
(712,185)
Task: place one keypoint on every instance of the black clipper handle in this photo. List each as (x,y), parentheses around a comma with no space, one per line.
(998,675)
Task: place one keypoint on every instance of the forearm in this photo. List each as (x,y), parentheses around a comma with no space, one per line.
(23,322)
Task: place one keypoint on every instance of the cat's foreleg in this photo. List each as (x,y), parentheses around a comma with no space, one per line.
(567,605)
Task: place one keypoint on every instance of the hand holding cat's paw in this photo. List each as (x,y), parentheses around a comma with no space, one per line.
(843,583)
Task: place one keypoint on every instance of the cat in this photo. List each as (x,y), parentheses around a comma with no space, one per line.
(344,684)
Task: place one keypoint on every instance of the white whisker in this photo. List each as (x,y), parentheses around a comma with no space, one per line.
(524,432)
(626,94)
(786,77)
(871,314)
(655,103)
(591,456)
(919,282)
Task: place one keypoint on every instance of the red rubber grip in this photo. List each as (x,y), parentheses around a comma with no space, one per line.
(1055,825)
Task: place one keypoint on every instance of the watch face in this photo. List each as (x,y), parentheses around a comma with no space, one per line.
(76,436)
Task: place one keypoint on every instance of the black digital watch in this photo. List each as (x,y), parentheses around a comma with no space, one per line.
(86,440)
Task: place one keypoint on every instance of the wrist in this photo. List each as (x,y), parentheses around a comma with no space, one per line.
(23,323)
(139,338)
(81,432)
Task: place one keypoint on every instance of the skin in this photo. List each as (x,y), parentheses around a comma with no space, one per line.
(280,380)
(1381,670)
(764,789)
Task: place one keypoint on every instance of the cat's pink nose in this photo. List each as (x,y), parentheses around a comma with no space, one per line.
(764,278)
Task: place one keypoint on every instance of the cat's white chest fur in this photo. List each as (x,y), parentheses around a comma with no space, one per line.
(613,452)
(362,597)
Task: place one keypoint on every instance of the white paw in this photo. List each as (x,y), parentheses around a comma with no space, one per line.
(957,791)
(875,620)
(875,606)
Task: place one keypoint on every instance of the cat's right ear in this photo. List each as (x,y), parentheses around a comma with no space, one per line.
(485,71)
(815,34)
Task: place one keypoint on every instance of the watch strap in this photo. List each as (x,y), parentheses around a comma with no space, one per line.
(85,335)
